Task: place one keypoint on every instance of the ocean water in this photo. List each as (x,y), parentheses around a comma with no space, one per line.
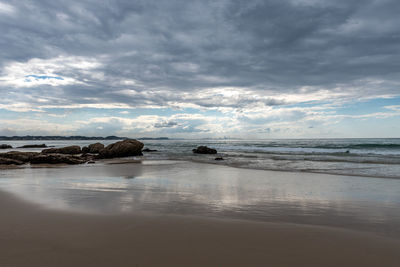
(359,157)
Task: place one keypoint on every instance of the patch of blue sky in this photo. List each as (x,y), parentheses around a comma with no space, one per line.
(312,103)
(42,77)
(367,106)
(369,127)
(9,114)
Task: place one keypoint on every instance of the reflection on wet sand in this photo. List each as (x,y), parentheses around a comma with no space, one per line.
(369,204)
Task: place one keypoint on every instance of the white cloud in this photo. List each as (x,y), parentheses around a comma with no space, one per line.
(38,127)
(6,8)
(57,71)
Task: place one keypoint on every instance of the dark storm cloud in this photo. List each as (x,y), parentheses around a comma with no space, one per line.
(184,46)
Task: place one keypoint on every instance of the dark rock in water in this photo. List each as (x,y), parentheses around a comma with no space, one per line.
(56,159)
(4,146)
(149,150)
(64,150)
(85,150)
(91,162)
(33,146)
(95,148)
(6,161)
(19,156)
(87,157)
(204,150)
(124,148)
(219,158)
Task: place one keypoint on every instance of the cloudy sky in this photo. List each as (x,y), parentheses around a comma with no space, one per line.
(249,69)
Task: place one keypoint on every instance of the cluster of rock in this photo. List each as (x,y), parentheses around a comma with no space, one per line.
(74,154)
(78,155)
(4,146)
(204,150)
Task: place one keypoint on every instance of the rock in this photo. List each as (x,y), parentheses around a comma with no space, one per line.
(19,156)
(33,146)
(204,150)
(63,150)
(87,157)
(85,150)
(56,159)
(4,146)
(95,148)
(149,150)
(91,162)
(123,148)
(219,158)
(5,161)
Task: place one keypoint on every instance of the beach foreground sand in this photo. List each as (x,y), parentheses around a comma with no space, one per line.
(33,236)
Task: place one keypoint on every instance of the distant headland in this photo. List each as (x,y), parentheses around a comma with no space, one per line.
(75,137)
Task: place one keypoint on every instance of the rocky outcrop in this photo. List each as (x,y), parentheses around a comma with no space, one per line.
(33,146)
(56,159)
(72,150)
(4,146)
(95,148)
(204,150)
(123,148)
(5,161)
(68,155)
(19,156)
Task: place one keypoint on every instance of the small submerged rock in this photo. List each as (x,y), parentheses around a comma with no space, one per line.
(33,146)
(204,150)
(149,150)
(219,158)
(4,146)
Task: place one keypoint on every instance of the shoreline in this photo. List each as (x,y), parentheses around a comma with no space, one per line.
(125,160)
(34,236)
(210,190)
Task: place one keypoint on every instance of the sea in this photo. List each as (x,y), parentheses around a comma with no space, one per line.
(378,157)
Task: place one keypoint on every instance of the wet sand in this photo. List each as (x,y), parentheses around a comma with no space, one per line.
(33,236)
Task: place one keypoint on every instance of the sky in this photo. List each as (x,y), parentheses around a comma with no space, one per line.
(200,69)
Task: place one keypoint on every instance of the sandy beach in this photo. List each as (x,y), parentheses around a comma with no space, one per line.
(166,213)
(33,236)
